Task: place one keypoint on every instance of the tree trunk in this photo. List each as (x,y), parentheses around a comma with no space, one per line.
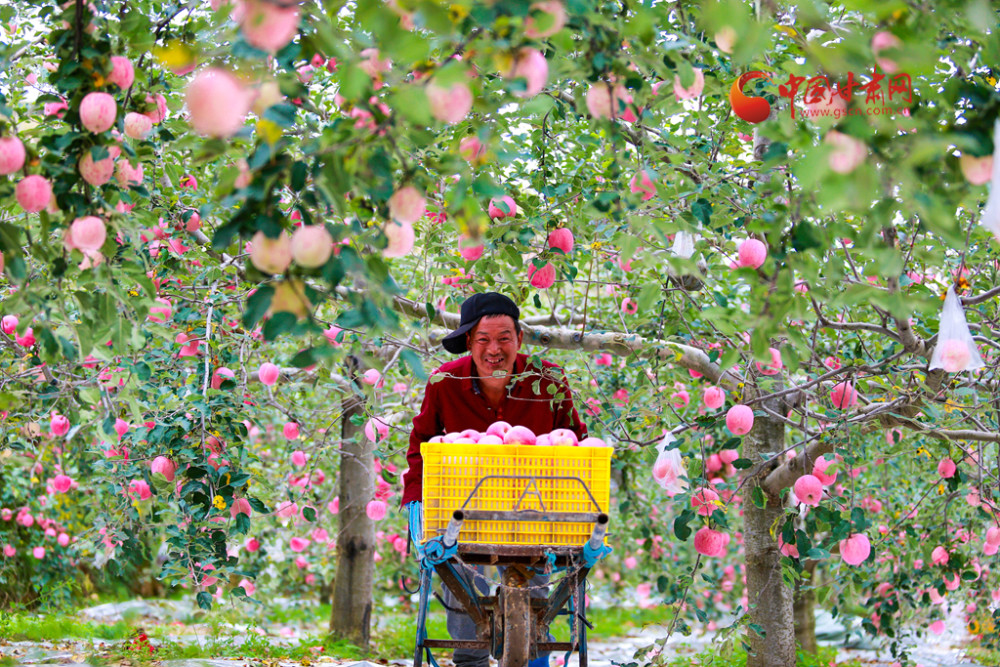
(771,635)
(353,584)
(804,606)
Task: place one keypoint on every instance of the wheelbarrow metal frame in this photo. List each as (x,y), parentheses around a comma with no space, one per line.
(488,612)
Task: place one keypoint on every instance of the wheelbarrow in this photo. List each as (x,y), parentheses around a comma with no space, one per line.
(511,624)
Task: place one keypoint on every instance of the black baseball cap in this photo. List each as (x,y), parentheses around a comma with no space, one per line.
(473,308)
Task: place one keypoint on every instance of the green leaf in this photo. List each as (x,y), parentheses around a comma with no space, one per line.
(681,529)
(415,364)
(242,524)
(702,209)
(742,464)
(257,305)
(204,600)
(353,82)
(283,115)
(304,358)
(258,506)
(411,102)
(142,370)
(757,496)
(309,514)
(299,172)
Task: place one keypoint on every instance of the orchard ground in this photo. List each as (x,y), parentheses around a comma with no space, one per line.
(287,632)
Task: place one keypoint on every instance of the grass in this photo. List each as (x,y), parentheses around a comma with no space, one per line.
(54,627)
(394,636)
(984,656)
(738,658)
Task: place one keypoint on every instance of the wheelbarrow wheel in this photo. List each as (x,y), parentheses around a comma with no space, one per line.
(517,629)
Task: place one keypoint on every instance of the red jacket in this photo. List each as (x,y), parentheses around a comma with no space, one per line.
(456,403)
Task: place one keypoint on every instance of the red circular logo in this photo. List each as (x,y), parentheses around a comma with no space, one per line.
(751,109)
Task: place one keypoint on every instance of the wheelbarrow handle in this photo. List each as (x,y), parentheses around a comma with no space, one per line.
(454,527)
(598,533)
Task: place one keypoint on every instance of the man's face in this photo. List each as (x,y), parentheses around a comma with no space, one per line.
(493,344)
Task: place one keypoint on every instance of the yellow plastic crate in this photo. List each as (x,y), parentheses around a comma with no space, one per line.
(451,472)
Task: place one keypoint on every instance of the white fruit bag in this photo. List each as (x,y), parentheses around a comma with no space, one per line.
(669,467)
(955,350)
(991,212)
(683,245)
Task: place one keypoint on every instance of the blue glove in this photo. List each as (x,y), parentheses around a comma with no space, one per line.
(591,556)
(416,511)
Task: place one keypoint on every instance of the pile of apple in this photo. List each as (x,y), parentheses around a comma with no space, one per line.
(502,433)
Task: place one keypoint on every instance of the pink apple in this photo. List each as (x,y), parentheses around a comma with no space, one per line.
(530,65)
(562,239)
(158,112)
(127,175)
(471,149)
(519,435)
(601,104)
(593,442)
(449,105)
(642,182)
(12,155)
(752,253)
(563,437)
(221,375)
(268,373)
(709,542)
(290,297)
(499,429)
(848,153)
(401,238)
(714,397)
(489,439)
(88,233)
(193,223)
(977,170)
(542,278)
(696,88)
(502,208)
(163,466)
(33,193)
(137,125)
(217,103)
(271,255)
(98,112)
(269,26)
(122,72)
(99,172)
(311,246)
(955,355)
(471,252)
(407,205)
(885,40)
(739,419)
(551,17)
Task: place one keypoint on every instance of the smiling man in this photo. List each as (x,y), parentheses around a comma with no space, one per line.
(494,382)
